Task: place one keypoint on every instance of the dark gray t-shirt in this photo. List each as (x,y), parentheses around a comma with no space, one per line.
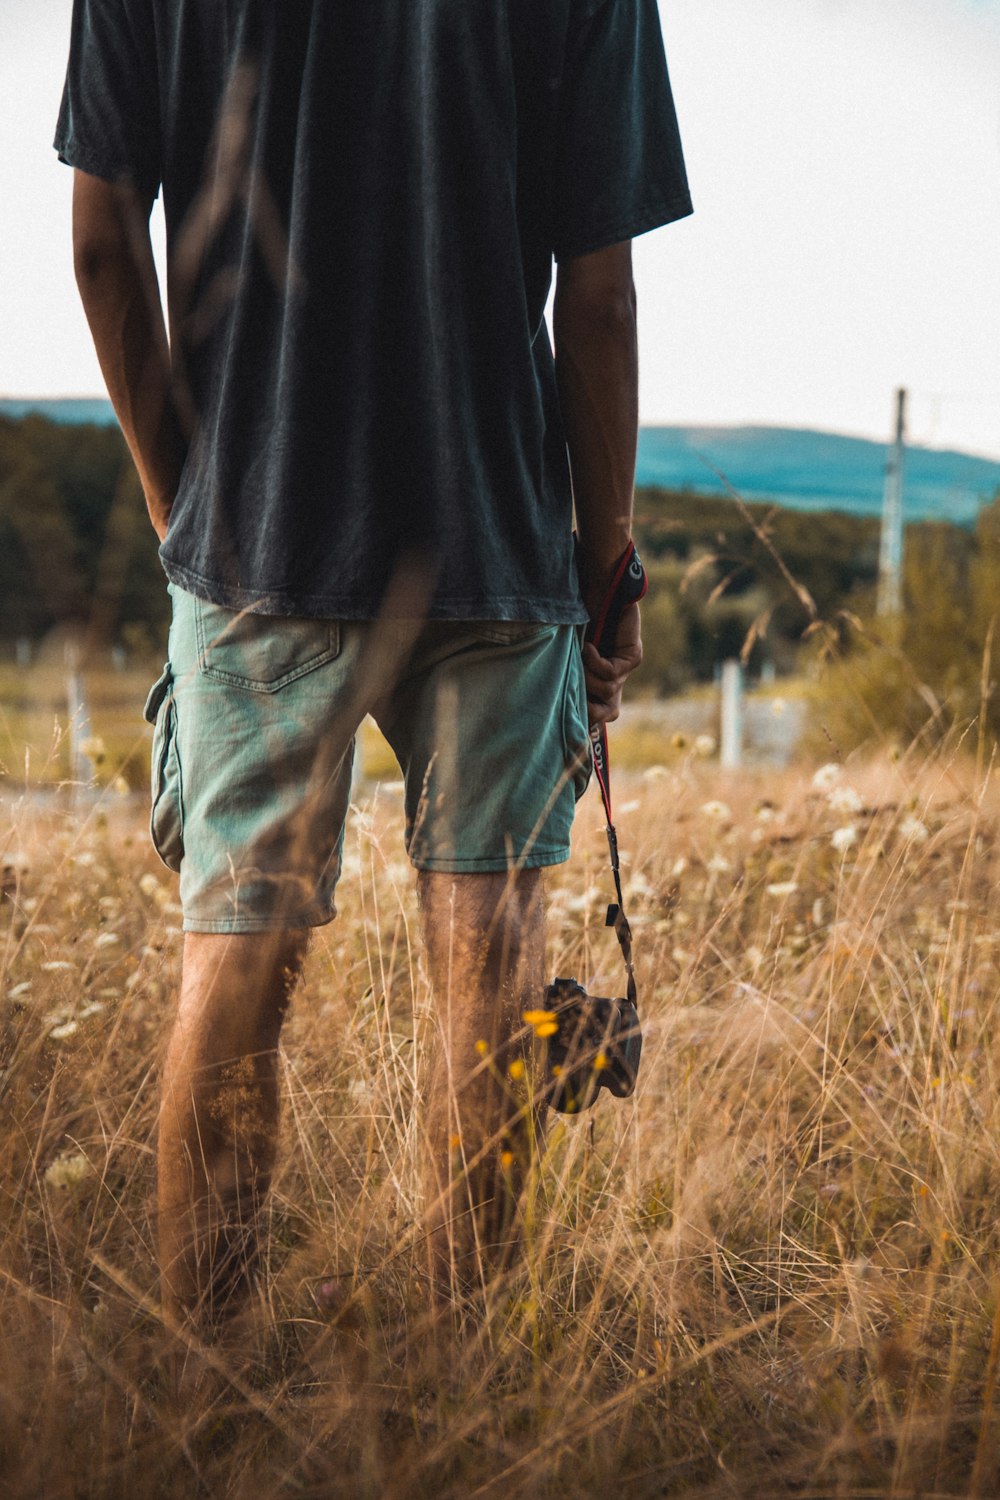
(363,201)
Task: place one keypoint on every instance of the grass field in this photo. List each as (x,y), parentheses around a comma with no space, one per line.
(773,1272)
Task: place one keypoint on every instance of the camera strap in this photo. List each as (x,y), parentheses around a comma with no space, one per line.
(628,586)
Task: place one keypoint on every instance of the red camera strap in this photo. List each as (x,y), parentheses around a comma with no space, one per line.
(628,586)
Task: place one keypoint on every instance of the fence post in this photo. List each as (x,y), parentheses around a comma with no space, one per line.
(81,767)
(731,736)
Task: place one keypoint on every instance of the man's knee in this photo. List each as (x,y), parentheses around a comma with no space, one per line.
(253,974)
(478,901)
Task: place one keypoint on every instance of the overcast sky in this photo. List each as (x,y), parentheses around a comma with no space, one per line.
(844,157)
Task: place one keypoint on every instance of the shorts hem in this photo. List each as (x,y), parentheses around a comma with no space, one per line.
(228,926)
(538,859)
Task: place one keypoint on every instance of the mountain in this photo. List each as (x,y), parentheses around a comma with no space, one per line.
(806,470)
(69,410)
(794,467)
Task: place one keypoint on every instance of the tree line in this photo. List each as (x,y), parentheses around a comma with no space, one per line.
(771,584)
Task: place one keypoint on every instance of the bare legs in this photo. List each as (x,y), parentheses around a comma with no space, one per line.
(484,936)
(219,1116)
(219,1107)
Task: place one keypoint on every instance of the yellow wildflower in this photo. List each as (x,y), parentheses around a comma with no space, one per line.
(544,1022)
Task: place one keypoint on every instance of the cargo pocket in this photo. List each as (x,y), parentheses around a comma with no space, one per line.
(575,723)
(166,821)
(260,652)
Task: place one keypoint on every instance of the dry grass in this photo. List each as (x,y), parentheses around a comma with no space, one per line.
(774,1272)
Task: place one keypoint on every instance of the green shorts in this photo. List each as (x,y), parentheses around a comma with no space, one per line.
(255,718)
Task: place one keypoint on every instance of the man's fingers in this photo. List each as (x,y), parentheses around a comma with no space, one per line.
(603,713)
(606,675)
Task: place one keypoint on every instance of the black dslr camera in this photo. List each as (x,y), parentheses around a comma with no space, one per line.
(591,1044)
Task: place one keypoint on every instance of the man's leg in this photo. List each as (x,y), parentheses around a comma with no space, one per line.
(219,1115)
(484,936)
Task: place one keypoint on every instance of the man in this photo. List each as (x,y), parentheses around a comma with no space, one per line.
(354,452)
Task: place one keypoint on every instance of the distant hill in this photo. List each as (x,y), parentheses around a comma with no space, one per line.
(794,467)
(814,470)
(70,410)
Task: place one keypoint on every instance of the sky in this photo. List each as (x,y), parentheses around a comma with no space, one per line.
(844,157)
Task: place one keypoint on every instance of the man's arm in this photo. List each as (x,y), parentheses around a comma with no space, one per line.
(116,277)
(597,367)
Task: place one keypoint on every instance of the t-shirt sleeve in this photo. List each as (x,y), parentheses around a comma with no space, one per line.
(619,168)
(109,119)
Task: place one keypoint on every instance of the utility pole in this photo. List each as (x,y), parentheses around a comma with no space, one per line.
(890,559)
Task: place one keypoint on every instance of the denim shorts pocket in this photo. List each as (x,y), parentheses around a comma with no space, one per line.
(260,652)
(166,814)
(577,744)
(508,632)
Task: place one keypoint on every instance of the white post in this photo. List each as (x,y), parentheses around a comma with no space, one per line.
(731,738)
(890,559)
(81,768)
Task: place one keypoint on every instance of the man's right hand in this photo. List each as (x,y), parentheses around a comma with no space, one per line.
(606,675)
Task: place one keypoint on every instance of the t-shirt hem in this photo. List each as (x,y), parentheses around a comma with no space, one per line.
(280,602)
(655,216)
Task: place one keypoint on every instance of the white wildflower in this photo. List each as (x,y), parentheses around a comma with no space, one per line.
(826,776)
(783,888)
(766,813)
(719,812)
(718,865)
(655,773)
(630,807)
(19,989)
(86,859)
(107,940)
(64,1030)
(678,867)
(704,746)
(913,830)
(148,884)
(842,839)
(68,1171)
(754,956)
(57,966)
(844,800)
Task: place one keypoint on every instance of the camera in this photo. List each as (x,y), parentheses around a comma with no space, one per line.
(591,1043)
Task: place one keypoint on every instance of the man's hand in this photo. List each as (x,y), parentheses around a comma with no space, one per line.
(606,675)
(159,514)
